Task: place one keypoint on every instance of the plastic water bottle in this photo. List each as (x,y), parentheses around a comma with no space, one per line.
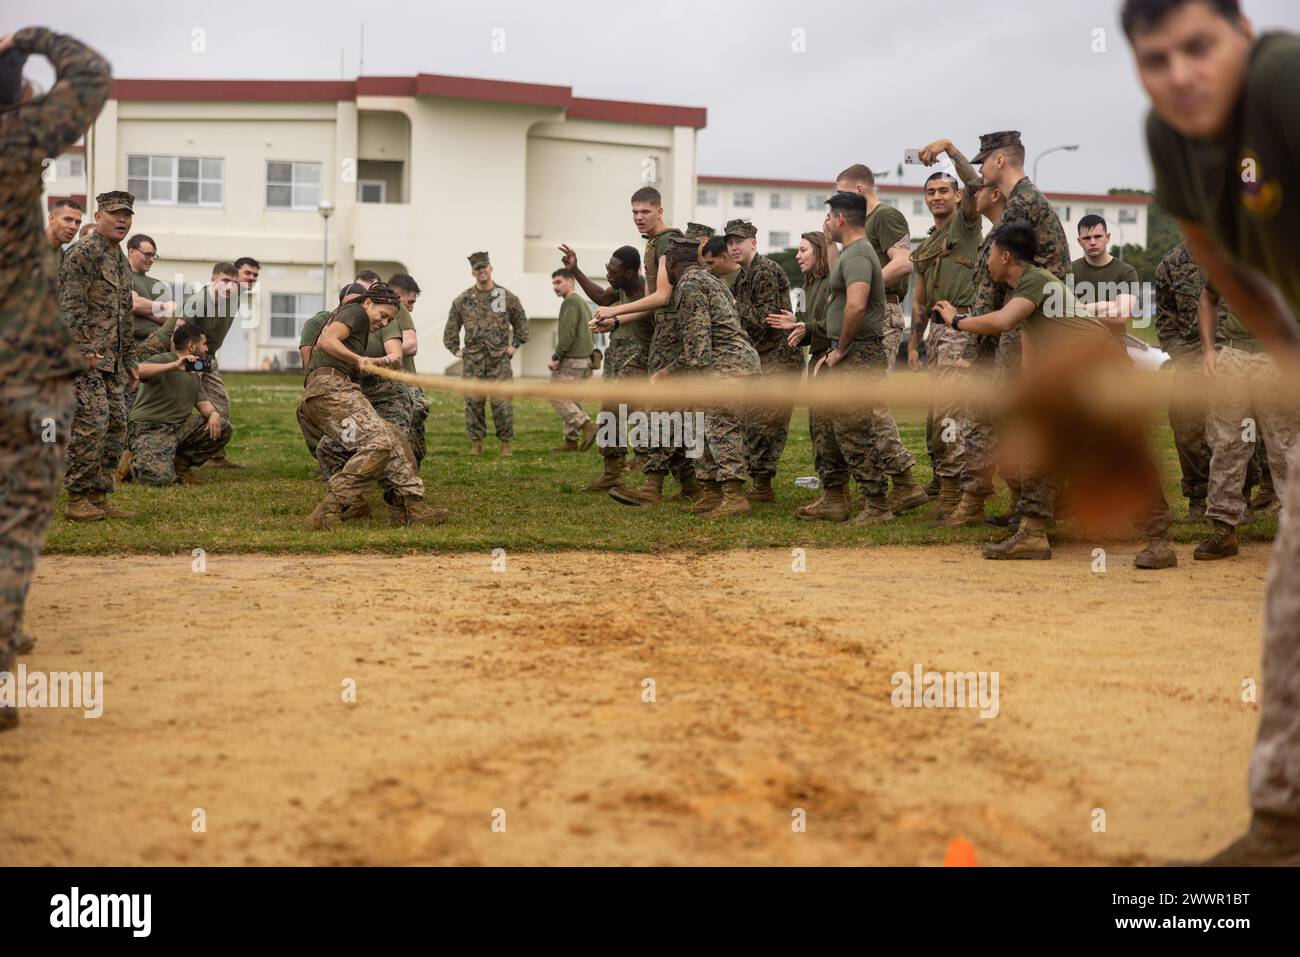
(808,481)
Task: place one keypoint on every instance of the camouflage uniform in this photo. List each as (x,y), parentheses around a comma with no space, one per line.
(391,401)
(761,289)
(38,357)
(624,359)
(95,305)
(665,344)
(492,320)
(155,447)
(844,440)
(713,343)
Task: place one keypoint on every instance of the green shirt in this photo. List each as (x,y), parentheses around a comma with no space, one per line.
(655,249)
(148,288)
(813,315)
(375,349)
(1056,312)
(353,315)
(857,263)
(213,317)
(946,260)
(886,226)
(169,397)
(1101,283)
(729,279)
(312,327)
(405,323)
(1243,188)
(642,331)
(573,336)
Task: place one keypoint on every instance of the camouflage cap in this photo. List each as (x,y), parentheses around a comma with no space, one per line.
(115,200)
(740,227)
(684,249)
(698,231)
(996,141)
(478,259)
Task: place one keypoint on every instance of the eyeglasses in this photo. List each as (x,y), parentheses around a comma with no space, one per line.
(152,255)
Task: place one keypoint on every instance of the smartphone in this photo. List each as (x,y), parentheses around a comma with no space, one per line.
(912,157)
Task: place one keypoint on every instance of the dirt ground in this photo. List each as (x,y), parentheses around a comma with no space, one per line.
(521,691)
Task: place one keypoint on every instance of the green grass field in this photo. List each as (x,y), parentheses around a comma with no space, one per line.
(531,501)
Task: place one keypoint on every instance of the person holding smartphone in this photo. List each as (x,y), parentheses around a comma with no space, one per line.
(173,427)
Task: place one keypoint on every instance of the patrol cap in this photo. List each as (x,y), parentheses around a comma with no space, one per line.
(996,141)
(740,227)
(115,200)
(698,231)
(478,259)
(684,249)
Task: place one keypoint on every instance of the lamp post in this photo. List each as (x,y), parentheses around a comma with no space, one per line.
(326,209)
(1071,148)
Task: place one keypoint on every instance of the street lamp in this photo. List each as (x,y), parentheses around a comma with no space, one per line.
(326,209)
(1045,152)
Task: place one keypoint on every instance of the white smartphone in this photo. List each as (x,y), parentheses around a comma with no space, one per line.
(912,157)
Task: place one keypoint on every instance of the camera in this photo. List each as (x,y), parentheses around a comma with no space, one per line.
(198,365)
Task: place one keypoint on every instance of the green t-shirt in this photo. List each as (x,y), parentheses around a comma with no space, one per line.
(1243,188)
(405,323)
(212,316)
(1056,312)
(375,348)
(886,226)
(946,261)
(729,279)
(813,315)
(148,288)
(1103,283)
(655,250)
(857,263)
(573,336)
(353,315)
(169,397)
(642,331)
(312,327)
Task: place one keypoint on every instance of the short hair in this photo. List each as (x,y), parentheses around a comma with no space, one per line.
(562,273)
(65,201)
(404,282)
(182,336)
(629,257)
(1091,220)
(1019,239)
(225,269)
(851,205)
(716,246)
(139,239)
(367,275)
(1142,15)
(351,289)
(648,194)
(858,173)
(1015,153)
(943,174)
(243,261)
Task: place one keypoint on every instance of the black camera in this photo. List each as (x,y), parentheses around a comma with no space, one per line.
(198,365)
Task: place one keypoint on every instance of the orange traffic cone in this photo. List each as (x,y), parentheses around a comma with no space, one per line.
(961,853)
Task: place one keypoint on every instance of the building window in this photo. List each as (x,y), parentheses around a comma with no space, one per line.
(706,197)
(372,191)
(73,164)
(780,201)
(650,170)
(815,201)
(292,185)
(1063,213)
(289,310)
(1095,211)
(889,202)
(918,207)
(778,240)
(742,200)
(176,180)
(1128,216)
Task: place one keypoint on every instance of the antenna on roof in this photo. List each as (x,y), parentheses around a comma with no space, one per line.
(341,76)
(361,68)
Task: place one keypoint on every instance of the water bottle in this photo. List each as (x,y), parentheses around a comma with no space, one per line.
(808,481)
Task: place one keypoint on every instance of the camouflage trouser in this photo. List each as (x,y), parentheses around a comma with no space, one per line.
(392,401)
(1274,779)
(1188,421)
(310,434)
(419,415)
(98,431)
(844,439)
(893,330)
(1232,425)
(571,370)
(663,458)
(334,405)
(1006,362)
(35,422)
(503,411)
(723,458)
(946,425)
(624,359)
(766,429)
(156,447)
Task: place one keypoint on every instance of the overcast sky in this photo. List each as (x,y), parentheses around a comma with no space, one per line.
(873,77)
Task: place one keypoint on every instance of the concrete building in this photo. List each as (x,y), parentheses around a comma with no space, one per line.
(421,171)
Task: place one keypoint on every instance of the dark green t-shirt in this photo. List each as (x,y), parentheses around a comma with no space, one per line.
(214,317)
(729,279)
(857,263)
(886,226)
(375,348)
(573,335)
(1056,312)
(813,315)
(169,397)
(154,291)
(353,315)
(312,327)
(642,330)
(1244,187)
(1104,283)
(405,323)
(652,260)
(946,260)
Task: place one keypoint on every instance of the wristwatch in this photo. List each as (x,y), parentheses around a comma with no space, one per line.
(617,323)
(956,319)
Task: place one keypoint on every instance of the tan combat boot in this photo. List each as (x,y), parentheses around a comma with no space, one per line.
(690,491)
(123,473)
(185,475)
(100,501)
(710,500)
(588,436)
(734,501)
(1029,543)
(418,512)
(648,494)
(221,462)
(876,512)
(833,506)
(969,512)
(81,509)
(1159,553)
(638,462)
(906,493)
(936,484)
(610,476)
(762,490)
(505,449)
(1222,543)
(949,497)
(476,447)
(570,445)
(356,511)
(327,515)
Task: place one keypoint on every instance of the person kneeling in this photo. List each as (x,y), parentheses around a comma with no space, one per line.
(166,437)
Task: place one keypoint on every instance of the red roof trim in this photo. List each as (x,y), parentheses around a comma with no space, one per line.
(235,91)
(385,86)
(618,111)
(1137,199)
(500,91)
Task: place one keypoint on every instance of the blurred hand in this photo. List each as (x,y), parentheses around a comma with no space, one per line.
(931,153)
(913,356)
(795,339)
(568,257)
(781,320)
(214,426)
(91,358)
(1207,364)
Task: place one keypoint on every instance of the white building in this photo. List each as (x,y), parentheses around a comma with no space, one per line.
(421,170)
